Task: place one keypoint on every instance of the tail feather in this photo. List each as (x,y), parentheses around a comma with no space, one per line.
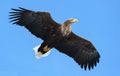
(39,55)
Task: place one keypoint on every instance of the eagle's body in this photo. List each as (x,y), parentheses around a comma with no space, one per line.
(57,35)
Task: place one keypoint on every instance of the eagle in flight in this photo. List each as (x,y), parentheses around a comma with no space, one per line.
(55,35)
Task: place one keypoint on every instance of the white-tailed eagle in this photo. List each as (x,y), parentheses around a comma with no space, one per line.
(55,35)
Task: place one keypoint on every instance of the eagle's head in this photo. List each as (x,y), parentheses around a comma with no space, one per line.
(70,21)
(66,26)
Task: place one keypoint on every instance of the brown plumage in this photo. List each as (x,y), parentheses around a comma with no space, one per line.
(57,36)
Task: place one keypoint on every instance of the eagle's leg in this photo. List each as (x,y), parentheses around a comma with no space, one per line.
(44,48)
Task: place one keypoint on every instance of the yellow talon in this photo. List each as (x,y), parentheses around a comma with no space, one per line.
(46,48)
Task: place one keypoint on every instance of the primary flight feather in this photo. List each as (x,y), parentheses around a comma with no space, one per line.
(55,35)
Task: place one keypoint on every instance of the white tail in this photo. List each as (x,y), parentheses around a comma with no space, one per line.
(38,55)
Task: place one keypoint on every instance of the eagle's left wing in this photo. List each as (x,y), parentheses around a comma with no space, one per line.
(38,23)
(81,50)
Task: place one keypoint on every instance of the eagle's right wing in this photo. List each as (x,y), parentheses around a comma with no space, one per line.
(38,23)
(81,50)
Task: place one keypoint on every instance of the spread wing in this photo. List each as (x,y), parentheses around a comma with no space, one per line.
(38,23)
(81,50)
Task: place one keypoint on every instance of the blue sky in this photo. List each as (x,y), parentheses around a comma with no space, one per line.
(99,21)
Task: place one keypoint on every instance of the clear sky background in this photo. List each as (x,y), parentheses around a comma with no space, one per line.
(99,21)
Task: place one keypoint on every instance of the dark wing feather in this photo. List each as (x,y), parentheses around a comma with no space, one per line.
(22,16)
(81,50)
(38,23)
